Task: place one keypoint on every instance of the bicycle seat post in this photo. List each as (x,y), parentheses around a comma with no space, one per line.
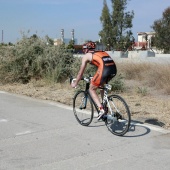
(108,86)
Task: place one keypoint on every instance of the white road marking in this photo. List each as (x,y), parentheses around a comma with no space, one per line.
(23,133)
(60,105)
(2,92)
(3,120)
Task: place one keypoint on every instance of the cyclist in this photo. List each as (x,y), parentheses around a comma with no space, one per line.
(105,72)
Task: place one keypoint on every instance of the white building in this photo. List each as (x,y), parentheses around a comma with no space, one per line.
(145,42)
(144,39)
(66,41)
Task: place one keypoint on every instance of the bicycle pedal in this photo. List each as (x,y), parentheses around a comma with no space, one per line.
(104,117)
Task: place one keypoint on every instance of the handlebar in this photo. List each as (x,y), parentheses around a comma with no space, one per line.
(87,79)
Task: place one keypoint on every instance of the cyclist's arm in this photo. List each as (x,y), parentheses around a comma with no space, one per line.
(81,71)
(85,60)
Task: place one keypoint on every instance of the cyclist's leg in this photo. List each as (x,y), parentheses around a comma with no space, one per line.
(95,83)
(96,99)
(102,93)
(94,95)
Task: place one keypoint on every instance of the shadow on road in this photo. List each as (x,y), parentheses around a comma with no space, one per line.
(137,129)
(155,122)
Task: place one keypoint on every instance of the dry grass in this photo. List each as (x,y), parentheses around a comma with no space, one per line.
(147,91)
(154,75)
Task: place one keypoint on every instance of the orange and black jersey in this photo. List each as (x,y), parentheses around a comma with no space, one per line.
(101,58)
(106,67)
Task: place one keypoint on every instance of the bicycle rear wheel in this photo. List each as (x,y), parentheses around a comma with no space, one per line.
(83,108)
(118,121)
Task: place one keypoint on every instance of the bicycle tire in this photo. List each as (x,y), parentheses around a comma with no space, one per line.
(120,119)
(83,108)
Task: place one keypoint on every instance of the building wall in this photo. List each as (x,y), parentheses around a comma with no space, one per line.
(137,56)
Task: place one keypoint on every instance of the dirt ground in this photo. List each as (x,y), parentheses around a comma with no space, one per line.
(153,108)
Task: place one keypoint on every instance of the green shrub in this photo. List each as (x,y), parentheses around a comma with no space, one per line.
(32,58)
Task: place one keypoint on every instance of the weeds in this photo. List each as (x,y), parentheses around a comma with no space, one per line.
(142,90)
(148,74)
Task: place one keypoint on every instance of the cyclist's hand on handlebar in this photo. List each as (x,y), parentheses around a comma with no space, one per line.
(73,84)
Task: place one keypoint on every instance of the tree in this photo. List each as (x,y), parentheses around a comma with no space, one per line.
(49,40)
(71,44)
(105,19)
(162,32)
(117,25)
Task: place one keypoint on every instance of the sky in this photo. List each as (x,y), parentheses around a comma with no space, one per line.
(48,17)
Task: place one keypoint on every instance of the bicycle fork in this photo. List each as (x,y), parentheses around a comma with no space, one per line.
(84,102)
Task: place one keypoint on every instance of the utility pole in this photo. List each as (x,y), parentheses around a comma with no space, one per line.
(2,36)
(62,36)
(72,38)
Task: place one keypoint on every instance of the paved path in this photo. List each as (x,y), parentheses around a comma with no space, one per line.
(43,135)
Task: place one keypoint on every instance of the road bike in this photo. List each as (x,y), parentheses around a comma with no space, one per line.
(117,115)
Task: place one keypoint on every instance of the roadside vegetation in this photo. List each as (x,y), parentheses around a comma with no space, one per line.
(148,75)
(32,58)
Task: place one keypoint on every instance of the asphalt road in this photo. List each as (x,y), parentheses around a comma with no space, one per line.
(43,135)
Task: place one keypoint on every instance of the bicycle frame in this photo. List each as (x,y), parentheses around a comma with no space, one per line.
(105,100)
(105,97)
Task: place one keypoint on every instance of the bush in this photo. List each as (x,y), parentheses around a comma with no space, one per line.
(33,58)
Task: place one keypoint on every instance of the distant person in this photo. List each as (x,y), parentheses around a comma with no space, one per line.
(105,72)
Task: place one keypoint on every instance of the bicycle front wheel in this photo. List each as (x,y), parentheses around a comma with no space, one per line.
(118,118)
(83,108)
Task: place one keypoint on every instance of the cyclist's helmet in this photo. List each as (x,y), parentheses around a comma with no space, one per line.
(89,45)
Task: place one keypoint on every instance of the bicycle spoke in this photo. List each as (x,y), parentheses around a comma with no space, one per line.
(83,108)
(119,120)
